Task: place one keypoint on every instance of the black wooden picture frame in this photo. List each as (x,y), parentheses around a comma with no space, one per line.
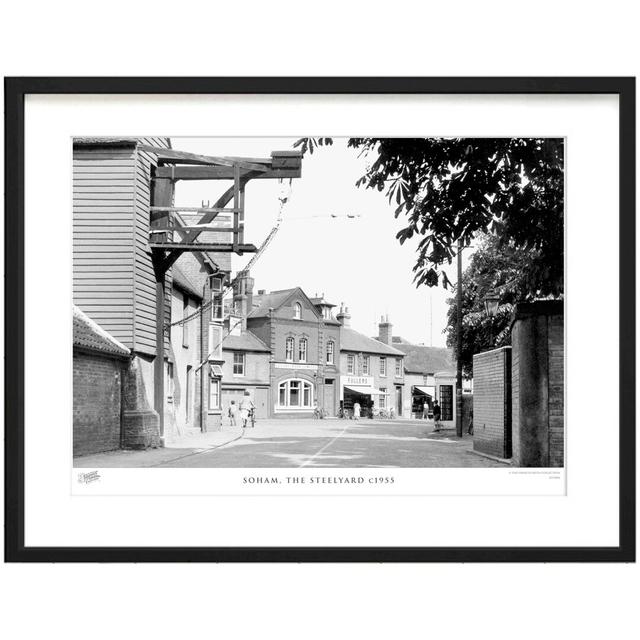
(16,89)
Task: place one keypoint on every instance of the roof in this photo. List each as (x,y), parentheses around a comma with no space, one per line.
(244,342)
(88,334)
(275,299)
(321,301)
(352,340)
(182,281)
(262,303)
(421,359)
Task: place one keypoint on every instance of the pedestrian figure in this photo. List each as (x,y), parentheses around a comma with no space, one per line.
(316,411)
(425,410)
(356,410)
(436,416)
(233,413)
(391,412)
(246,405)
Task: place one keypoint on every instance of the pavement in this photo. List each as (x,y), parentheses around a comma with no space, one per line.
(307,443)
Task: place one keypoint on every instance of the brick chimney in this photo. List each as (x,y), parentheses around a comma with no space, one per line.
(343,317)
(385,330)
(243,296)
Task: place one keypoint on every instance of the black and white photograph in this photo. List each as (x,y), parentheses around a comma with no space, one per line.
(318,302)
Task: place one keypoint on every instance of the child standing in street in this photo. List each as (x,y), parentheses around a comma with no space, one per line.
(233,413)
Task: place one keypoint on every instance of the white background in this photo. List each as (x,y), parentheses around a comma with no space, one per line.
(586,516)
(548,38)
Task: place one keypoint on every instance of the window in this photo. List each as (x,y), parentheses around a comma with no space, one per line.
(216,283)
(169,382)
(288,350)
(383,397)
(297,311)
(215,341)
(383,366)
(351,364)
(330,351)
(185,325)
(366,365)
(238,364)
(295,393)
(214,394)
(398,367)
(217,309)
(302,350)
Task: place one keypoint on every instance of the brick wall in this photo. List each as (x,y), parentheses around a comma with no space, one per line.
(97,386)
(538,384)
(556,390)
(491,402)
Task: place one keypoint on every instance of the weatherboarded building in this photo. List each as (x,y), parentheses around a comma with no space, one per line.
(114,286)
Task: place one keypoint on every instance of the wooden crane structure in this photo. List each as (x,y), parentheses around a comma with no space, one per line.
(168,241)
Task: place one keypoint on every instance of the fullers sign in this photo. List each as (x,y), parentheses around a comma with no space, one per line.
(357,380)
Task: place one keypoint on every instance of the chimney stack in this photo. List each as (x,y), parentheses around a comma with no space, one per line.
(385,330)
(343,317)
(243,296)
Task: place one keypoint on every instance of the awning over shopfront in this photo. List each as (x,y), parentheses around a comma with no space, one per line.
(367,391)
(425,391)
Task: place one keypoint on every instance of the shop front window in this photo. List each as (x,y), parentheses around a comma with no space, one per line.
(383,397)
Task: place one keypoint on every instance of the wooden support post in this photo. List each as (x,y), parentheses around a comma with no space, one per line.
(236,206)
(162,197)
(241,216)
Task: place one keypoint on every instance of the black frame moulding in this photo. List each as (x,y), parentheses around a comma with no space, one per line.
(15,91)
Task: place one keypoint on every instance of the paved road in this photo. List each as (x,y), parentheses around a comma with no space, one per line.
(338,443)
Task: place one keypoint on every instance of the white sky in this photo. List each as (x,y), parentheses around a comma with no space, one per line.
(355,261)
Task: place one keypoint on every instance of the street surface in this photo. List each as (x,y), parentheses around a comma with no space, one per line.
(309,443)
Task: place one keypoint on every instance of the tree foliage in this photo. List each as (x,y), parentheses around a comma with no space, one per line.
(497,267)
(451,189)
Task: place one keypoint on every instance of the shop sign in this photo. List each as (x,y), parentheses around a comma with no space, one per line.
(295,365)
(357,380)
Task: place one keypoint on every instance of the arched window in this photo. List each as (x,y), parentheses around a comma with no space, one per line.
(288,350)
(302,350)
(296,394)
(330,351)
(297,311)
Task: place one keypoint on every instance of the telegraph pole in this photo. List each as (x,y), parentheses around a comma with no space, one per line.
(459,344)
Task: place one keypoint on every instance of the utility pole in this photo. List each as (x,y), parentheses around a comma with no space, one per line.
(459,344)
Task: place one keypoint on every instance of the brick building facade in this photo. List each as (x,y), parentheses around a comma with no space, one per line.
(303,340)
(372,370)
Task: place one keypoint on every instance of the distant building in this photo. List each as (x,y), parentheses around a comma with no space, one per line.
(372,370)
(430,374)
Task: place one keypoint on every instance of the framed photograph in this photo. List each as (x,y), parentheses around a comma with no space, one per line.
(320,319)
